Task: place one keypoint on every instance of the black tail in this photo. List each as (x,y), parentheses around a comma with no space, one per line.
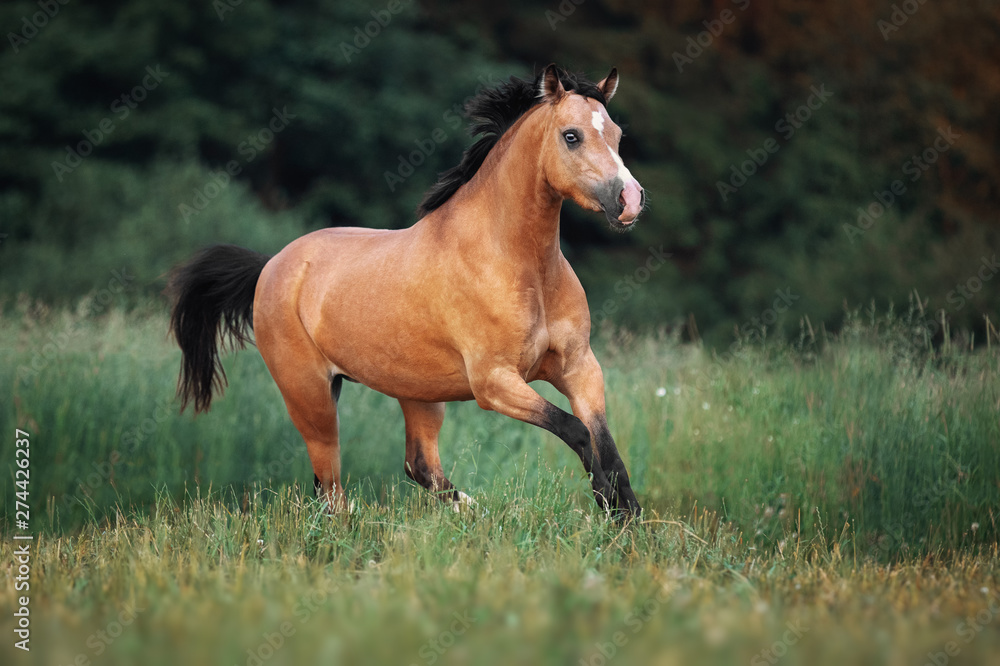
(212,307)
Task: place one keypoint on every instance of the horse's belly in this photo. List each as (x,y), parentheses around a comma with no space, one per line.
(400,367)
(404,388)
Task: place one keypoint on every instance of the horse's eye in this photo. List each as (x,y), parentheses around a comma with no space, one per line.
(571,137)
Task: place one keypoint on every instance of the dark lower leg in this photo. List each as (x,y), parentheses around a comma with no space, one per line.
(431,478)
(573,431)
(508,394)
(583,383)
(613,466)
(423,462)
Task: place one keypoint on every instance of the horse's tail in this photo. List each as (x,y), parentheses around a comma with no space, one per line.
(212,308)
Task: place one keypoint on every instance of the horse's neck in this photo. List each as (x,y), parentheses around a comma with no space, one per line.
(514,209)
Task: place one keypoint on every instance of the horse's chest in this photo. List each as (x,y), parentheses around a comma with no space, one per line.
(533,351)
(535,341)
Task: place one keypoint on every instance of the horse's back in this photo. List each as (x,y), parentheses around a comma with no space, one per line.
(330,249)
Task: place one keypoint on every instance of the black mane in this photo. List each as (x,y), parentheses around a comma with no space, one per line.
(491,113)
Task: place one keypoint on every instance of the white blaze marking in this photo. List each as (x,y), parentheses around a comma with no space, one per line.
(598,122)
(623,171)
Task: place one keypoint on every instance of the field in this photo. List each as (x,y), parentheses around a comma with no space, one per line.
(825,500)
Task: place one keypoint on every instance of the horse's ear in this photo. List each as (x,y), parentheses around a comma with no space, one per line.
(550,88)
(609,85)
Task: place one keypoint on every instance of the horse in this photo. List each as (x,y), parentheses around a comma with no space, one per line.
(472,302)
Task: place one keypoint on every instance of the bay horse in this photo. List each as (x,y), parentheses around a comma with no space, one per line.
(472,302)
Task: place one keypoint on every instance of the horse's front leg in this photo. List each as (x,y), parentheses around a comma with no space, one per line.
(582,381)
(503,390)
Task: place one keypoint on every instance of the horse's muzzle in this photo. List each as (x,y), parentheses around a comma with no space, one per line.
(622,202)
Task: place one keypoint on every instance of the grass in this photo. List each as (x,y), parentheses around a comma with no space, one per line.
(526,579)
(827,501)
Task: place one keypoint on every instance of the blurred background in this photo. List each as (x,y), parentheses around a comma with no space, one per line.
(821,176)
(769,135)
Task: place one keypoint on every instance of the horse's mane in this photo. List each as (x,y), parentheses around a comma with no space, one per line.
(491,113)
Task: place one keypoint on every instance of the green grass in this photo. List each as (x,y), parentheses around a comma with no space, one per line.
(532,577)
(848,486)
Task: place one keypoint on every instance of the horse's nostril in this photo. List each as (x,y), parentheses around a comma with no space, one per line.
(621,197)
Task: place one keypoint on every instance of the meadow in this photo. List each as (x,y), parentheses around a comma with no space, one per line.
(824,499)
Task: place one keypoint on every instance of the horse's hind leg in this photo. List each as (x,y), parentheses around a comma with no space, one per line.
(313,409)
(423,464)
(303,378)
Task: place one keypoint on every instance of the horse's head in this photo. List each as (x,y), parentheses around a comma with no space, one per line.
(579,152)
